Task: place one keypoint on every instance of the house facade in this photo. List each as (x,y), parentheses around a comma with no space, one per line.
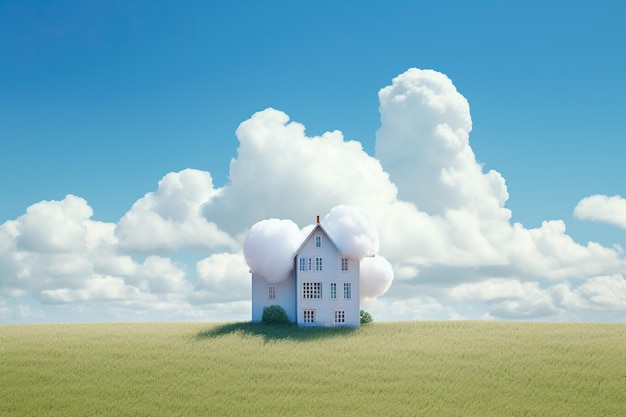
(321,290)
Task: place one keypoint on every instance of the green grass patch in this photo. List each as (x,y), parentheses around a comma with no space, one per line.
(383,369)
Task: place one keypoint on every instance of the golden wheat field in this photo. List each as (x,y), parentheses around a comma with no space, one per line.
(442,368)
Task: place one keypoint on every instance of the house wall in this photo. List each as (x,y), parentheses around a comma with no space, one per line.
(285,296)
(326,306)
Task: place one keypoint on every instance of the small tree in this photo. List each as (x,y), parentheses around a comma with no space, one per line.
(366,317)
(274,314)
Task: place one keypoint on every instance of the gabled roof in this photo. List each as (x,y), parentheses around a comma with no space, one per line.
(317,226)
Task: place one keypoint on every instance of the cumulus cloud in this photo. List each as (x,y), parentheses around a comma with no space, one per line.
(223,277)
(53,242)
(603,293)
(353,231)
(508,298)
(423,143)
(280,172)
(170,218)
(56,254)
(269,248)
(63,226)
(95,289)
(602,208)
(438,219)
(513,299)
(158,275)
(376,276)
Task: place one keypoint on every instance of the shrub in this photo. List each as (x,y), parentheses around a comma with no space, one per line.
(366,317)
(274,314)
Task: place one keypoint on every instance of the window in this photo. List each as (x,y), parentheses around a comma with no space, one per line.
(318,264)
(333,290)
(340,316)
(310,263)
(344,264)
(311,290)
(318,241)
(309,316)
(271,292)
(302,264)
(347,290)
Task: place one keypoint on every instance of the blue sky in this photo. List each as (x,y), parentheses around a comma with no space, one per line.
(102,99)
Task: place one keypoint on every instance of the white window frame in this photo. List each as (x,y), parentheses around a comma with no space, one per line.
(333,290)
(318,264)
(271,292)
(318,241)
(340,316)
(344,264)
(308,316)
(302,266)
(311,290)
(347,290)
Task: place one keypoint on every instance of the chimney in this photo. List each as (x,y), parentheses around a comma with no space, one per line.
(318,219)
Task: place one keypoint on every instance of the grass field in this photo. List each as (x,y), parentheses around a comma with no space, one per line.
(384,369)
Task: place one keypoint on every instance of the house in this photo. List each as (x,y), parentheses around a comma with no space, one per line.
(321,290)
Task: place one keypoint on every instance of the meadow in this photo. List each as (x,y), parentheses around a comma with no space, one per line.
(383,369)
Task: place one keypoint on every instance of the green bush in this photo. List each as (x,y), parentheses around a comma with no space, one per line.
(274,314)
(366,317)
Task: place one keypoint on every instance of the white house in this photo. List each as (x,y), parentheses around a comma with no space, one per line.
(321,290)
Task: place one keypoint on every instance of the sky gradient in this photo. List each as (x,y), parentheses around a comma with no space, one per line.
(102,100)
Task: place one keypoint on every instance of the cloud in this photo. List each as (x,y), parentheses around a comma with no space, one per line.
(53,242)
(95,289)
(423,143)
(513,299)
(411,308)
(280,172)
(508,298)
(159,275)
(602,208)
(170,218)
(56,254)
(603,293)
(439,221)
(352,229)
(59,227)
(269,248)
(223,277)
(376,276)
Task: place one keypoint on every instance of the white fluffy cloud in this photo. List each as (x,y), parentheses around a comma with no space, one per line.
(423,143)
(603,293)
(602,208)
(353,231)
(56,254)
(508,298)
(270,245)
(376,276)
(94,289)
(170,218)
(223,277)
(442,224)
(269,248)
(511,298)
(54,242)
(279,172)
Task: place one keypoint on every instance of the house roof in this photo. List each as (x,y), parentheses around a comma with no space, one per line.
(317,226)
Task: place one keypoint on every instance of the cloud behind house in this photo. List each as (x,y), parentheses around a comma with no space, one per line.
(270,245)
(440,223)
(269,248)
